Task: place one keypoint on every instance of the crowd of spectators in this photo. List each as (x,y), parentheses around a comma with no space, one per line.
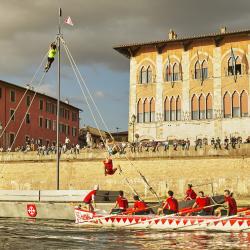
(123,147)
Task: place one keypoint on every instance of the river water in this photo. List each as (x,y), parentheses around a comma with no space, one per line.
(51,234)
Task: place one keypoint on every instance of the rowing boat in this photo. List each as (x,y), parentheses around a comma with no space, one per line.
(101,218)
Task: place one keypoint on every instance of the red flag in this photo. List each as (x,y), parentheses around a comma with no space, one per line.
(69,21)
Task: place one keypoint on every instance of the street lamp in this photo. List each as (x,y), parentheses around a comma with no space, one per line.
(133,120)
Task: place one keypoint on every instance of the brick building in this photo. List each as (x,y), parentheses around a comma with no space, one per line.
(40,121)
(190,87)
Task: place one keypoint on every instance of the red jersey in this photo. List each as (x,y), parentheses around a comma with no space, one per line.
(140,205)
(90,196)
(108,165)
(122,202)
(172,204)
(190,194)
(232,206)
(203,202)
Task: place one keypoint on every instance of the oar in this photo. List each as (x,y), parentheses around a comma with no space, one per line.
(184,211)
(217,220)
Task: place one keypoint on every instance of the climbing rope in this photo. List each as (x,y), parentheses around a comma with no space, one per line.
(20,101)
(76,71)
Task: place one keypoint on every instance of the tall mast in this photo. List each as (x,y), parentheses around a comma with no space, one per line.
(58,103)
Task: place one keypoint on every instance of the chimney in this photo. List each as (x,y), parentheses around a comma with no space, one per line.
(223,30)
(172,35)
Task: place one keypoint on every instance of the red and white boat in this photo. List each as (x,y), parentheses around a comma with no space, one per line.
(169,222)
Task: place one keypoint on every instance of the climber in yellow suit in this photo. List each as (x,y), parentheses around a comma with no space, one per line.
(51,56)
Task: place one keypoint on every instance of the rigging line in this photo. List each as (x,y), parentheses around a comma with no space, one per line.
(35,92)
(86,99)
(86,87)
(142,176)
(128,182)
(19,103)
(77,77)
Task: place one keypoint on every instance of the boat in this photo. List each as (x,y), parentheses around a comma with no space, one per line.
(100,218)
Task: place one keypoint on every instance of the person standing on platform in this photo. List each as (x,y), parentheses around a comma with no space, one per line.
(89,199)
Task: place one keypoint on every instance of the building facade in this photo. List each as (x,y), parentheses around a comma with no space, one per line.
(192,87)
(35,117)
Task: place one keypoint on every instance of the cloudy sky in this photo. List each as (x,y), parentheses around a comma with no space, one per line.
(29,26)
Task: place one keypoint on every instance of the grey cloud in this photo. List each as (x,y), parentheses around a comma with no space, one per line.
(28,26)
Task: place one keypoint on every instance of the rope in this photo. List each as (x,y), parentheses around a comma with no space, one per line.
(86,87)
(35,92)
(33,78)
(73,63)
(86,99)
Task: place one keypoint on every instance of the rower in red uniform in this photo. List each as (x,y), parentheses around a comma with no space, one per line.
(121,203)
(108,167)
(89,199)
(190,194)
(231,203)
(202,201)
(140,207)
(170,206)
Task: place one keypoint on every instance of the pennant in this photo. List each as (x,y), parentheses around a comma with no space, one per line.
(68,20)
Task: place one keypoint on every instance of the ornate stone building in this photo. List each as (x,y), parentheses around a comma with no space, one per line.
(191,87)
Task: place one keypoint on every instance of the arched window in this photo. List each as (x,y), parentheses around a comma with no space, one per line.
(152,110)
(238,65)
(194,108)
(234,65)
(244,104)
(227,105)
(139,111)
(149,75)
(204,70)
(235,105)
(146,111)
(178,109)
(175,72)
(143,75)
(209,107)
(168,73)
(166,110)
(202,110)
(172,109)
(197,70)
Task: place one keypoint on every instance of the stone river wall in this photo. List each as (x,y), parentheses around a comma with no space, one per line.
(163,173)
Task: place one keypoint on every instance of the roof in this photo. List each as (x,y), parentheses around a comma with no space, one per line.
(39,93)
(128,49)
(93,131)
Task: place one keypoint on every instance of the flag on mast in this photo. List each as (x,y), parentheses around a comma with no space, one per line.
(68,20)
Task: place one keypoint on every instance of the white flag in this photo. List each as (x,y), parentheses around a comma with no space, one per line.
(69,21)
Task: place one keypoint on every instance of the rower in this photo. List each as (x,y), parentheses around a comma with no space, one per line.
(140,207)
(121,203)
(231,203)
(90,198)
(170,206)
(108,167)
(190,193)
(202,201)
